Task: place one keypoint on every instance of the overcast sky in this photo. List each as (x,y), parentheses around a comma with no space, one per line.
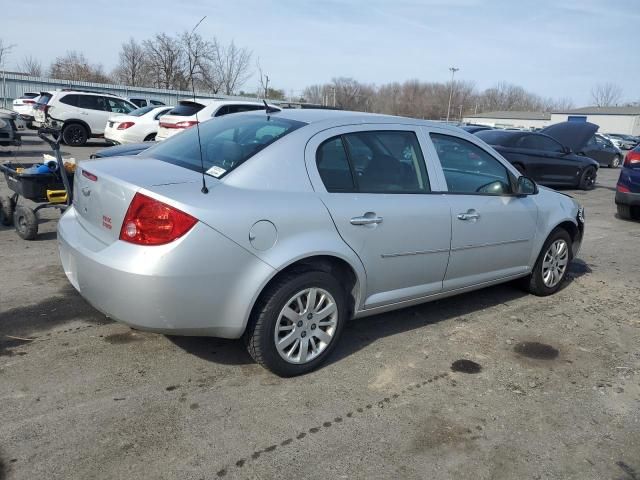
(555,48)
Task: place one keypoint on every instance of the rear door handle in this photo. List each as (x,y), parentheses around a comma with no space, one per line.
(469,215)
(369,218)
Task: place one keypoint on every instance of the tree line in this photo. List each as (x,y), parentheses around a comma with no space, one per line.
(170,61)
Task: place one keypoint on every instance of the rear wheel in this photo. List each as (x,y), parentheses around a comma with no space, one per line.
(551,266)
(624,212)
(297,323)
(588,179)
(74,134)
(7,206)
(615,162)
(25,222)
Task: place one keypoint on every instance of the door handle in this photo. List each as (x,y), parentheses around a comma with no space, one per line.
(470,215)
(369,218)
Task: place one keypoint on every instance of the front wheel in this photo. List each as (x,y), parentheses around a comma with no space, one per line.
(297,323)
(588,179)
(551,266)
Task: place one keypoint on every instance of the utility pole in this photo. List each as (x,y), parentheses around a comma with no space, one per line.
(461,113)
(266,86)
(334,96)
(453,71)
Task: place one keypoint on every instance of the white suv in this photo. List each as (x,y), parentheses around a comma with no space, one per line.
(81,115)
(183,115)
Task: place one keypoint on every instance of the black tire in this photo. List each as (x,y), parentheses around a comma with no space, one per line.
(534,283)
(75,134)
(6,211)
(259,336)
(615,162)
(25,222)
(588,179)
(624,212)
(150,138)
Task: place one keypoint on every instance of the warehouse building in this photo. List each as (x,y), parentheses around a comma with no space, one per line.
(625,120)
(519,120)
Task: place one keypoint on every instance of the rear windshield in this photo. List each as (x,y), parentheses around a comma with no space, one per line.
(44,98)
(186,109)
(496,137)
(226,142)
(141,111)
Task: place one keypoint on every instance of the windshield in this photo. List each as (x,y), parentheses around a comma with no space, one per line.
(141,111)
(496,137)
(226,142)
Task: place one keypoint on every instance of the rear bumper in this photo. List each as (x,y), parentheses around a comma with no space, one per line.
(201,284)
(632,199)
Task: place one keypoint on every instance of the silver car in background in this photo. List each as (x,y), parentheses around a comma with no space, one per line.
(311,217)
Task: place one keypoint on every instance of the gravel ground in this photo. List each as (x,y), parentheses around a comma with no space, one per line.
(557,394)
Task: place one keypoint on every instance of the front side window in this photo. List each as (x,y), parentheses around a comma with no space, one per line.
(468,169)
(226,143)
(119,106)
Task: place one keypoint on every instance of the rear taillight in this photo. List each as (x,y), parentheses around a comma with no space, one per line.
(183,124)
(89,175)
(151,222)
(622,189)
(125,125)
(28,102)
(632,158)
(46,108)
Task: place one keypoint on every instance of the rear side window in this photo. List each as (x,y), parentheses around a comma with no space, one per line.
(92,102)
(226,143)
(538,142)
(70,100)
(376,162)
(186,109)
(468,169)
(333,166)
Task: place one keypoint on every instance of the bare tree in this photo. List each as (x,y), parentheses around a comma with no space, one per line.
(133,68)
(232,64)
(75,66)
(31,66)
(606,94)
(167,61)
(5,50)
(200,55)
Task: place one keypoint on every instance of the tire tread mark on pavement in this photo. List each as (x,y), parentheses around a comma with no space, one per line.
(351,414)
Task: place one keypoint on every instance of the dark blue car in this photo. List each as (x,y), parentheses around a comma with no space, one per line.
(628,188)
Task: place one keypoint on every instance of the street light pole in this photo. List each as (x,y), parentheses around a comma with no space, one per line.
(453,71)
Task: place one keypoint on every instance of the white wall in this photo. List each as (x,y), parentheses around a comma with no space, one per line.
(626,124)
(507,122)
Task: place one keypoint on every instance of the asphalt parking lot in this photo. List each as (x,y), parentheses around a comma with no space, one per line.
(557,394)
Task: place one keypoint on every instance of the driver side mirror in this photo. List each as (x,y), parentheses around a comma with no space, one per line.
(526,186)
(566,150)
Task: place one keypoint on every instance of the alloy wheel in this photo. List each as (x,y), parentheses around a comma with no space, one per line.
(306,325)
(555,263)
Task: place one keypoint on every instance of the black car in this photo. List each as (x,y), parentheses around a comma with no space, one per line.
(473,128)
(603,151)
(549,156)
(120,150)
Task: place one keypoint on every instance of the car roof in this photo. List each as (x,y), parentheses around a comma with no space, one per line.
(216,101)
(347,117)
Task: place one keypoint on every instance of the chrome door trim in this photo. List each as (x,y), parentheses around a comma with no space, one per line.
(421,252)
(492,244)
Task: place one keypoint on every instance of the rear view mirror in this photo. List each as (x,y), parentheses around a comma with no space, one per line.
(526,186)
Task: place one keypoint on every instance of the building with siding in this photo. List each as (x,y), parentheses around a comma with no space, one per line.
(520,120)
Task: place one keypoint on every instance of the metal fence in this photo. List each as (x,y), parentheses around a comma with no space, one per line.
(13,86)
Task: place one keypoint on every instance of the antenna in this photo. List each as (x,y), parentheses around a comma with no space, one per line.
(268,108)
(204,188)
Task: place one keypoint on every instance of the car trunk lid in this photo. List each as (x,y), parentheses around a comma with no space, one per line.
(104,188)
(574,135)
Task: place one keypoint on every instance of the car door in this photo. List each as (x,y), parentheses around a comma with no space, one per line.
(95,112)
(548,162)
(492,230)
(377,187)
(595,149)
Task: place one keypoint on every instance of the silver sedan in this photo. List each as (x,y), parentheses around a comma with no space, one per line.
(280,227)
